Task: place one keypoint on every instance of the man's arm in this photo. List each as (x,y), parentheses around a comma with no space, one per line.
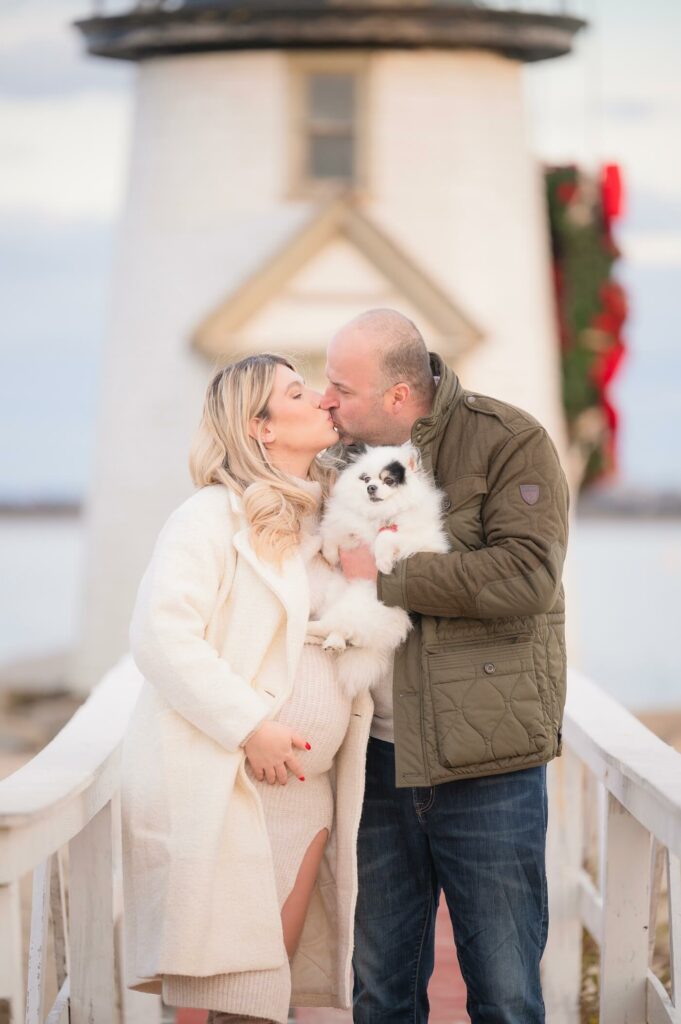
(519,570)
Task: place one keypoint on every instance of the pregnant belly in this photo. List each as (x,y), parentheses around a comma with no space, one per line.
(317,709)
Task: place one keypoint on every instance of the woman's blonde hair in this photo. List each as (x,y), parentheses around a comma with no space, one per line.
(224,452)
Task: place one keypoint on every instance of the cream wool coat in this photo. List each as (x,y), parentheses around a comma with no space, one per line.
(217,634)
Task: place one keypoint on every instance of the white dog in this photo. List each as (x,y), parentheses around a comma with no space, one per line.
(384,499)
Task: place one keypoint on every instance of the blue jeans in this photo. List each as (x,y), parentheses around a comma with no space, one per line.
(483,842)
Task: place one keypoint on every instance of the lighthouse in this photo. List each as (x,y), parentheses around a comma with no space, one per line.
(295,162)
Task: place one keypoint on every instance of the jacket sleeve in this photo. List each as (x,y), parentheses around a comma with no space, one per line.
(174,604)
(518,572)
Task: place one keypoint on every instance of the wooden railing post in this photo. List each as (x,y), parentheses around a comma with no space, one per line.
(91,922)
(562,962)
(11,971)
(626,909)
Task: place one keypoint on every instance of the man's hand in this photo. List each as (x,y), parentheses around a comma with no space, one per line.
(358,563)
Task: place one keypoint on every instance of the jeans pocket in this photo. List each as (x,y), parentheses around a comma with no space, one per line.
(486,702)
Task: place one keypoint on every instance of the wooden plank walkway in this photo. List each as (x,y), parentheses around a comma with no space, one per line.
(447,992)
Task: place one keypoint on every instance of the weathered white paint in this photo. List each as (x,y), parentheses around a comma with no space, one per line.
(640,777)
(562,961)
(92,994)
(450,179)
(12,991)
(37,949)
(626,916)
(68,794)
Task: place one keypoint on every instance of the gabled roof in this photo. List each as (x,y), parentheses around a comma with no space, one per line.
(338,218)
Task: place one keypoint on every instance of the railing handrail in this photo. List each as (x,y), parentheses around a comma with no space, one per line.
(50,799)
(639,769)
(642,771)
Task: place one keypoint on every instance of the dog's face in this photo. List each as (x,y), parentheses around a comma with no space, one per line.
(381,477)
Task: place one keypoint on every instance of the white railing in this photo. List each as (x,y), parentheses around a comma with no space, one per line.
(59,820)
(614,832)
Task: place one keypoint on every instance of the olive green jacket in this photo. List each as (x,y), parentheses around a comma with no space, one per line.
(479,685)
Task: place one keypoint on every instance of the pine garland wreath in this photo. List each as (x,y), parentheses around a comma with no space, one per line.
(592,308)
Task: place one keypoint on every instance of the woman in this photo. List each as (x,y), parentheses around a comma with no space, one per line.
(240,882)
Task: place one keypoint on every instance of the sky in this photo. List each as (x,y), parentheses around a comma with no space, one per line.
(64,137)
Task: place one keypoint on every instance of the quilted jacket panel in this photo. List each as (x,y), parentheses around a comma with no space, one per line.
(479,686)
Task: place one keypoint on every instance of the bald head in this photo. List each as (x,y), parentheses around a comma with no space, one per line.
(380,380)
(394,346)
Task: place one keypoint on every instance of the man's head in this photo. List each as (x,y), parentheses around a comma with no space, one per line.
(380,380)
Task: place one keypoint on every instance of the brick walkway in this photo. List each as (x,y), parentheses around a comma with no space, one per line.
(446,991)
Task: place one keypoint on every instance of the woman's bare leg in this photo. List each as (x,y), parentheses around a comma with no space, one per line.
(293,915)
(298,900)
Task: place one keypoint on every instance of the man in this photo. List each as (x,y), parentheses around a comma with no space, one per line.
(456,767)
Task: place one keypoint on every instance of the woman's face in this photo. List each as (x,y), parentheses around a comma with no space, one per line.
(296,424)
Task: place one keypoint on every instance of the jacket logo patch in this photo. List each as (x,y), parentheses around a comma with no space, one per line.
(529,493)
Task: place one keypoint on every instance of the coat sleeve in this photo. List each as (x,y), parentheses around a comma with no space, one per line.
(519,570)
(174,604)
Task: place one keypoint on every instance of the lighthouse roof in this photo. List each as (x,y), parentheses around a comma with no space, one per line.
(163,27)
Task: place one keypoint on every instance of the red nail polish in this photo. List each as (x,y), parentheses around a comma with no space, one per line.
(308,747)
(302,778)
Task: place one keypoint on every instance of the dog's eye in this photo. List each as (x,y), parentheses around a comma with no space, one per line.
(364,478)
(389,481)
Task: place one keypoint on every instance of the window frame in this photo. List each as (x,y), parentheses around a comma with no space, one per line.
(301,67)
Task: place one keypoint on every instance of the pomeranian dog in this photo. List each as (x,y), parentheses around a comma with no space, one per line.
(386,500)
(383,498)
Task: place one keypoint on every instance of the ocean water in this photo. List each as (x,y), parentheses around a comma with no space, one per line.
(623,584)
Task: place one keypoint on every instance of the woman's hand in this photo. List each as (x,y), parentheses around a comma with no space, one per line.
(270,752)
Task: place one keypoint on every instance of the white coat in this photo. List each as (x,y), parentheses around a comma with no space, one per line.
(217,634)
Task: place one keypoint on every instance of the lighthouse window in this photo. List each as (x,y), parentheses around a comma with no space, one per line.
(331,114)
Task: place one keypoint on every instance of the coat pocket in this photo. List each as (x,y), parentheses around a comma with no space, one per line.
(486,701)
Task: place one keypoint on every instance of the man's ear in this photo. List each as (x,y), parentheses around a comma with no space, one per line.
(259,428)
(399,394)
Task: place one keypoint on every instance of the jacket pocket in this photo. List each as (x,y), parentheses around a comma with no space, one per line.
(486,701)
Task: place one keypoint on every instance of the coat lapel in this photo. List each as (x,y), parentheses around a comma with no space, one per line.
(289,583)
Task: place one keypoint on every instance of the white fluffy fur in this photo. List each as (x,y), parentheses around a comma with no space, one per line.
(348,617)
(346,614)
(363,502)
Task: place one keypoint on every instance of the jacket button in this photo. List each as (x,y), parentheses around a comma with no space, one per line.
(471,398)
(489,667)
(446,503)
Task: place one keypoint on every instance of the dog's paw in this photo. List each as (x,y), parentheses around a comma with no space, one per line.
(330,553)
(384,563)
(334,642)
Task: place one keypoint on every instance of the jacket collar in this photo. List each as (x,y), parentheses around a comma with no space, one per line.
(288,582)
(427,431)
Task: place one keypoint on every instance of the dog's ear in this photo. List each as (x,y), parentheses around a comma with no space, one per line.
(412,456)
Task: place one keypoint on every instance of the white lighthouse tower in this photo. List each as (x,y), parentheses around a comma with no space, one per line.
(293,163)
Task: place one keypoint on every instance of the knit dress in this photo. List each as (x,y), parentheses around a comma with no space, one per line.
(318,709)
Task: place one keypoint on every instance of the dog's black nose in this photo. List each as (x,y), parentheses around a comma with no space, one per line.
(372,488)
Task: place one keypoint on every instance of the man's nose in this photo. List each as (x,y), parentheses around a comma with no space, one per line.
(327,401)
(372,488)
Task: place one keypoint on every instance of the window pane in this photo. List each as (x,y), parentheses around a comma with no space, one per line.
(332,98)
(332,157)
